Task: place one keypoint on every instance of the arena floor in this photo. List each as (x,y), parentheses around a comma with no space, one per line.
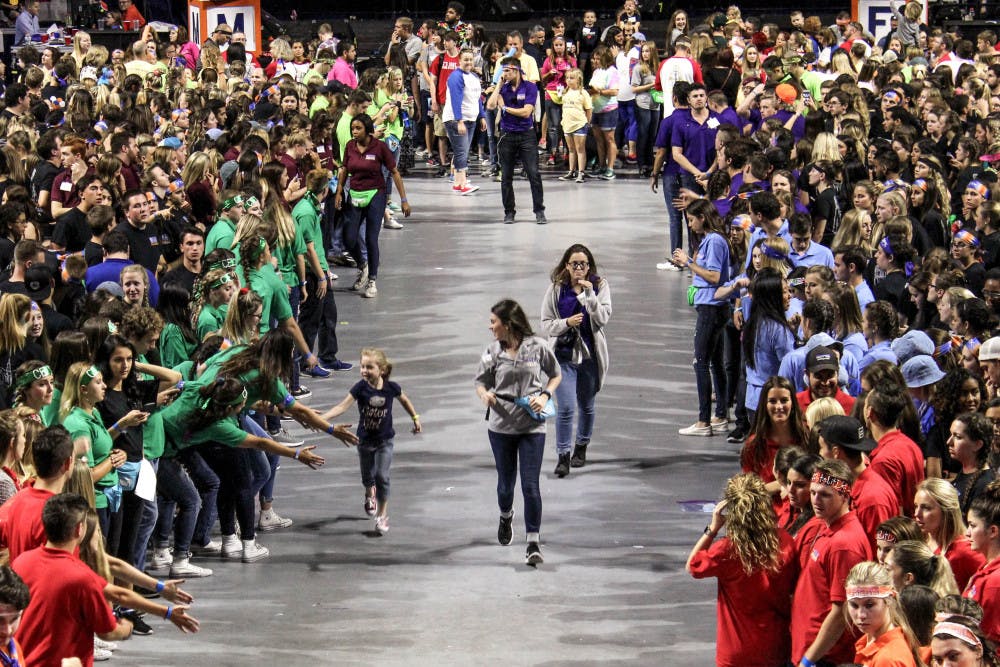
(438,589)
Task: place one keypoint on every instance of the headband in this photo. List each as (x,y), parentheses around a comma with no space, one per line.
(841,486)
(773,253)
(921,184)
(748,194)
(249,203)
(175,186)
(239,398)
(891,94)
(855,592)
(223,280)
(89,375)
(101,126)
(231,202)
(886,246)
(942,348)
(225,263)
(37,374)
(958,631)
(973,345)
(966,236)
(980,187)
(743,222)
(885,536)
(257,250)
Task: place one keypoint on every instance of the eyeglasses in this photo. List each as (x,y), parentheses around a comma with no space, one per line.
(579,265)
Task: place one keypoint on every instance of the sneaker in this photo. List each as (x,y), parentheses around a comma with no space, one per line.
(667,266)
(139,626)
(508,218)
(101,654)
(316,371)
(542,143)
(631,158)
(695,429)
(442,172)
(213,548)
(371,505)
(301,392)
(184,569)
(533,556)
(271,520)
(608,175)
(497,176)
(581,177)
(719,423)
(231,547)
(485,162)
(340,366)
(540,218)
(370,290)
(283,437)
(361,280)
(392,223)
(394,207)
(737,435)
(551,161)
(568,176)
(341,259)
(505,532)
(382,525)
(433,162)
(562,467)
(107,646)
(595,170)
(467,190)
(579,458)
(161,559)
(253,552)
(334,276)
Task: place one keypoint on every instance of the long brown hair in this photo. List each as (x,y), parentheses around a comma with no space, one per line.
(560,275)
(754,454)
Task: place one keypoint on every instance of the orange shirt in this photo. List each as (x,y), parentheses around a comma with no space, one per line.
(889,650)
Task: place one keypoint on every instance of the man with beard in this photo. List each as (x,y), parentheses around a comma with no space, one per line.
(822,369)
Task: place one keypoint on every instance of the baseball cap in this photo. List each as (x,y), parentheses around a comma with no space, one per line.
(921,371)
(171,142)
(911,344)
(38,283)
(990,349)
(845,432)
(786,93)
(213,133)
(822,358)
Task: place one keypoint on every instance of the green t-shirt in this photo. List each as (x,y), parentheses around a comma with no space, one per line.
(319,104)
(50,413)
(174,348)
(307,219)
(210,320)
(91,426)
(276,393)
(177,415)
(220,235)
(343,133)
(273,293)
(379,99)
(287,255)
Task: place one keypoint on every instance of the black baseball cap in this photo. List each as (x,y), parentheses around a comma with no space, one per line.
(846,432)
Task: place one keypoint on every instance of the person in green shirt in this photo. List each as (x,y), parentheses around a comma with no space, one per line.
(231,207)
(178,339)
(212,294)
(33,387)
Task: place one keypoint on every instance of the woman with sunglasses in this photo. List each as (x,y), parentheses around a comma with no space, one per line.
(575,310)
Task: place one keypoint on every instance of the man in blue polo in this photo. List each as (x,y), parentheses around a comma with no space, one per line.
(516,99)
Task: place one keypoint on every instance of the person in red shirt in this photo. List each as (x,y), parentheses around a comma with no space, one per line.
(67,605)
(896,458)
(14,598)
(131,17)
(21,517)
(440,70)
(939,516)
(819,625)
(874,609)
(984,535)
(755,566)
(822,371)
(779,423)
(893,531)
(874,501)
(957,641)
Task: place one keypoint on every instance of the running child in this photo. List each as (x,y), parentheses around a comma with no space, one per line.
(374,394)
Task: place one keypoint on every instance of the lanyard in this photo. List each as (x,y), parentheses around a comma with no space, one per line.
(11,659)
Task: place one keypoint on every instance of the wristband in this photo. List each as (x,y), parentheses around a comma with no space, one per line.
(708,530)
(415,418)
(546,392)
(403,200)
(807,662)
(330,429)
(302,284)
(690,261)
(116,427)
(159,586)
(297,453)
(170,610)
(180,385)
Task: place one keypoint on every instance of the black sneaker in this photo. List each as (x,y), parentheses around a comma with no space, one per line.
(533,556)
(139,626)
(579,458)
(738,434)
(562,468)
(505,533)
(301,392)
(508,218)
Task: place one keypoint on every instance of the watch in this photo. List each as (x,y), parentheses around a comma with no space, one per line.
(546,392)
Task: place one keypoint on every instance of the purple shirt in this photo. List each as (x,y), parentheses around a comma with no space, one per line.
(666,129)
(526,93)
(798,127)
(697,140)
(730,116)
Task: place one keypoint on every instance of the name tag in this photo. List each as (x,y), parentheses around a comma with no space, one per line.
(520,96)
(66,186)
(370,157)
(713,123)
(154,240)
(321,149)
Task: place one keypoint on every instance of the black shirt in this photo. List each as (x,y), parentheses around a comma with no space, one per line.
(42,177)
(72,231)
(116,405)
(143,244)
(180,276)
(93,253)
(55,322)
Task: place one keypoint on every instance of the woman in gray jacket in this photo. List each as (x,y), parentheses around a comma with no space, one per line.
(518,364)
(575,310)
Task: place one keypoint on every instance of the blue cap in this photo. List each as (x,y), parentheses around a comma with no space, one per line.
(921,371)
(911,344)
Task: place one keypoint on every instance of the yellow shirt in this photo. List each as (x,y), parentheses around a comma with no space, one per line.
(575,104)
(529,68)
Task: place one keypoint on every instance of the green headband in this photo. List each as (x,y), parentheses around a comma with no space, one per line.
(249,203)
(227,263)
(240,398)
(224,280)
(37,374)
(257,251)
(89,375)
(231,202)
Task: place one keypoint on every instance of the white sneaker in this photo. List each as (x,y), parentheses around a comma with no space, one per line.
(231,547)
(107,646)
(382,525)
(695,429)
(161,558)
(392,223)
(100,654)
(271,520)
(667,266)
(213,548)
(184,569)
(370,290)
(719,422)
(253,552)
(362,279)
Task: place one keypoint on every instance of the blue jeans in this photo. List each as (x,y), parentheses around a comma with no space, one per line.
(207,483)
(375,459)
(709,369)
(266,491)
(626,130)
(510,452)
(576,390)
(175,489)
(672,184)
(370,218)
(554,113)
(147,523)
(523,145)
(491,134)
(460,142)
(647,122)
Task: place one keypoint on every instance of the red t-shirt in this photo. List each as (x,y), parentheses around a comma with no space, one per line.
(984,588)
(805,538)
(441,69)
(963,560)
(846,401)
(838,547)
(67,608)
(901,464)
(290,165)
(753,610)
(21,526)
(365,169)
(874,501)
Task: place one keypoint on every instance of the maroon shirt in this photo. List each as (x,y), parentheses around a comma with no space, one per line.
(365,168)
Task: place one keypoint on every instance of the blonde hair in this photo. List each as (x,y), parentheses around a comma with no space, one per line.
(245,228)
(138,269)
(13,309)
(576,74)
(237,327)
(32,424)
(929,569)
(752,527)
(850,229)
(201,292)
(381,360)
(780,245)
(71,389)
(946,497)
(199,166)
(870,573)
(825,147)
(822,408)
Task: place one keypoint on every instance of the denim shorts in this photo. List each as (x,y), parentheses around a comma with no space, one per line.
(583,131)
(606,120)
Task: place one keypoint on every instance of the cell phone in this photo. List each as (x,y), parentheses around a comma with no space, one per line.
(807,97)
(150,407)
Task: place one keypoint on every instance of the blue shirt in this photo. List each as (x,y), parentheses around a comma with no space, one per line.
(865,295)
(877,352)
(516,98)
(798,127)
(774,342)
(375,406)
(110,270)
(761,233)
(713,255)
(856,345)
(25,26)
(696,140)
(815,254)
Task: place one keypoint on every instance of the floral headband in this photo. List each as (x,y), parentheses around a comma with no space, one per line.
(841,486)
(921,184)
(856,592)
(958,631)
(743,222)
(885,536)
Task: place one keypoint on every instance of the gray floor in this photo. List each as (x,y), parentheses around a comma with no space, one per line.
(438,589)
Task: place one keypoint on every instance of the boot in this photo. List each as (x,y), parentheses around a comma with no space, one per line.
(579,458)
(562,468)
